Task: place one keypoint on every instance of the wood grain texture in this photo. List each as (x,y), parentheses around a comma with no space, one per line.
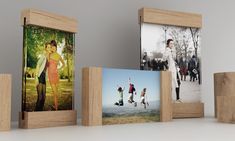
(49,20)
(91,96)
(224,85)
(166,98)
(47,119)
(5,102)
(174,18)
(226,109)
(188,110)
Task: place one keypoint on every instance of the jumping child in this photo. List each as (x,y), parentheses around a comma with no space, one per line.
(143,98)
(131,93)
(120,93)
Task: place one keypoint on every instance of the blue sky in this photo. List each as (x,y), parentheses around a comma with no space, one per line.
(141,79)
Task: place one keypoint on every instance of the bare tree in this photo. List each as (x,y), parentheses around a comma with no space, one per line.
(195,37)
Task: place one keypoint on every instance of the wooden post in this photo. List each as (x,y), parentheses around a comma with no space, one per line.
(5,102)
(92,96)
(166,98)
(224,94)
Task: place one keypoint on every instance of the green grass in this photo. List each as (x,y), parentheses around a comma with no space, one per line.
(136,118)
(65,97)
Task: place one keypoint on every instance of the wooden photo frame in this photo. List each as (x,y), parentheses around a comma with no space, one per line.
(93,90)
(161,27)
(60,31)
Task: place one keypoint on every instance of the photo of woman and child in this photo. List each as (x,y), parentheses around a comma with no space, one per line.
(140,102)
(48,70)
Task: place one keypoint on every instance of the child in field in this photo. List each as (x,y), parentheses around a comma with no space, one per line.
(143,97)
(120,93)
(131,93)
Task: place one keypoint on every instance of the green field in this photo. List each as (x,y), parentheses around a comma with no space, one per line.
(131,118)
(65,97)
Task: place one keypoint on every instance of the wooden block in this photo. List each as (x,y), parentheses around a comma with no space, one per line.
(165,17)
(92,96)
(224,83)
(188,110)
(166,98)
(226,109)
(49,20)
(30,120)
(5,102)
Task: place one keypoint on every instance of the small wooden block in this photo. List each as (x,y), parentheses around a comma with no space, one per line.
(165,17)
(226,109)
(5,102)
(92,96)
(49,20)
(166,98)
(44,119)
(224,85)
(188,110)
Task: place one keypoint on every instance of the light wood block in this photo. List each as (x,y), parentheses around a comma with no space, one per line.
(49,20)
(92,96)
(226,109)
(224,85)
(30,120)
(165,17)
(5,102)
(166,98)
(188,110)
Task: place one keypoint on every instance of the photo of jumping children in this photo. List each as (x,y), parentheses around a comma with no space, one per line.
(132,105)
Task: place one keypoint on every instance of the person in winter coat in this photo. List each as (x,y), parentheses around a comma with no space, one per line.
(168,56)
(192,68)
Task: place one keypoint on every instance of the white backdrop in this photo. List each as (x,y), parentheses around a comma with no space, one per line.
(109,36)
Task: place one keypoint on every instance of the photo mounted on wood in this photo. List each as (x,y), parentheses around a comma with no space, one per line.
(48,69)
(120,96)
(172,41)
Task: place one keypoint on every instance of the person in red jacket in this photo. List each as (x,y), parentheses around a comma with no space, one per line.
(132,91)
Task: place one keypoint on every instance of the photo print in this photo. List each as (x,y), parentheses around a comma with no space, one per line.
(130,96)
(48,69)
(176,49)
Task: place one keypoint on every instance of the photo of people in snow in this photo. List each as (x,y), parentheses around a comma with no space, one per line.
(175,49)
(130,96)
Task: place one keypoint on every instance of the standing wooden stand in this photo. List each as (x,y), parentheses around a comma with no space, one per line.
(5,102)
(29,120)
(48,118)
(188,110)
(224,92)
(174,18)
(92,96)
